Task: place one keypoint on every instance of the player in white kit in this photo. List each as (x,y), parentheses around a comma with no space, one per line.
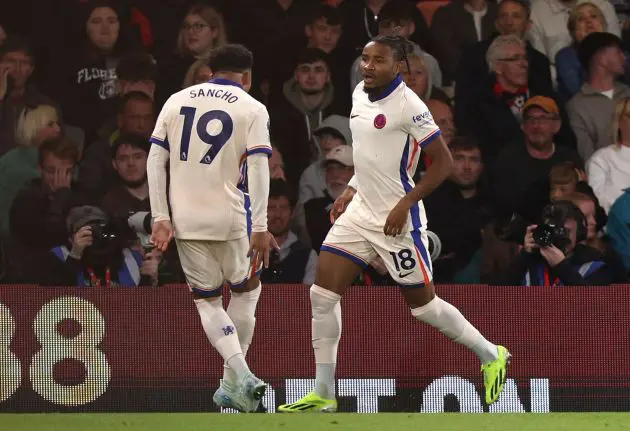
(381,215)
(214,140)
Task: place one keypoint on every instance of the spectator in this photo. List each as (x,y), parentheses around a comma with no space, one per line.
(92,258)
(294,262)
(591,110)
(300,109)
(618,228)
(38,213)
(202,29)
(136,71)
(87,85)
(585,18)
(333,132)
(549,32)
(19,165)
(339,168)
(442,114)
(457,26)
(521,173)
(397,19)
(609,168)
(496,119)
(3,35)
(418,78)
(276,165)
(198,73)
(458,210)
(135,117)
(16,89)
(513,19)
(567,261)
(130,194)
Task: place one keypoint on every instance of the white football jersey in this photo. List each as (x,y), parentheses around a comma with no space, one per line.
(210,129)
(388,135)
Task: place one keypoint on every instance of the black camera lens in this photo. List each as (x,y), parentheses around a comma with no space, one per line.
(543,235)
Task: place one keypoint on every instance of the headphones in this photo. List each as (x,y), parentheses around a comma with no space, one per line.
(562,210)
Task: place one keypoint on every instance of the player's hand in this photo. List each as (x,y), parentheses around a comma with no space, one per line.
(161,234)
(260,245)
(397,218)
(341,203)
(81,240)
(552,254)
(529,245)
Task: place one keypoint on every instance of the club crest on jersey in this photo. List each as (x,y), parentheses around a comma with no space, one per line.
(380,121)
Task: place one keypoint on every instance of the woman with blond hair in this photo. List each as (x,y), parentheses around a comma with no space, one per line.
(418,78)
(585,18)
(20,165)
(202,29)
(198,73)
(608,169)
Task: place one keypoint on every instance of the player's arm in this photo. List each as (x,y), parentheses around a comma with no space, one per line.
(258,179)
(418,122)
(157,161)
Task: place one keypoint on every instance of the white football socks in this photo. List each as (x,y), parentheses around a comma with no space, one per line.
(450,321)
(222,334)
(326,332)
(242,311)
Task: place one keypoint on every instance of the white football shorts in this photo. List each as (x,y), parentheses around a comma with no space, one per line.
(209,264)
(406,256)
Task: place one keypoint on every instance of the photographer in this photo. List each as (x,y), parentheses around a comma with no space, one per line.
(96,255)
(554,254)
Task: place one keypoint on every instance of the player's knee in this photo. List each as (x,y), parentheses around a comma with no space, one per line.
(323,300)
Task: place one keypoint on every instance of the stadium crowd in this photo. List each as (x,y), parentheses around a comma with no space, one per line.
(532,99)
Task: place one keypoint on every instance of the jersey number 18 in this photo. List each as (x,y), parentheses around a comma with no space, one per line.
(216,142)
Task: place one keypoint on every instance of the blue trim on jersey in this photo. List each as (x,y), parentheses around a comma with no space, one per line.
(388,90)
(208,293)
(404,178)
(248,213)
(223,81)
(417,241)
(342,253)
(412,286)
(162,143)
(427,140)
(266,151)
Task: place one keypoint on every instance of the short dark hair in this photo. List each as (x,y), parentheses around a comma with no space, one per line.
(61,147)
(16,44)
(464,143)
(133,140)
(310,56)
(331,14)
(522,3)
(137,96)
(137,66)
(231,58)
(280,188)
(400,46)
(594,43)
(397,11)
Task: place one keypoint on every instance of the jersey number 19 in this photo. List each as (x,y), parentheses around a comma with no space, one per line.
(216,142)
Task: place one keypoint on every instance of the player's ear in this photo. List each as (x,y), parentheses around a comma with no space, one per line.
(247,80)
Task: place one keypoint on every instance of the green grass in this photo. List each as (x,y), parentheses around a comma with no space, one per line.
(314,422)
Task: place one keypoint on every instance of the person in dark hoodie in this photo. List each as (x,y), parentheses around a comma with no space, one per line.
(561,258)
(305,101)
(87,85)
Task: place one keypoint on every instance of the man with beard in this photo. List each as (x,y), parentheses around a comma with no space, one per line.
(131,193)
(380,214)
(294,262)
(521,174)
(339,169)
(459,209)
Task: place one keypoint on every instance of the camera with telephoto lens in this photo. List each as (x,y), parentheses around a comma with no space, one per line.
(105,233)
(551,232)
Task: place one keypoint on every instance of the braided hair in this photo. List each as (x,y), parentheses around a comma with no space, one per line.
(399,45)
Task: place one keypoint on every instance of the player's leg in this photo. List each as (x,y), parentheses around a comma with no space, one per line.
(343,255)
(409,264)
(205,280)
